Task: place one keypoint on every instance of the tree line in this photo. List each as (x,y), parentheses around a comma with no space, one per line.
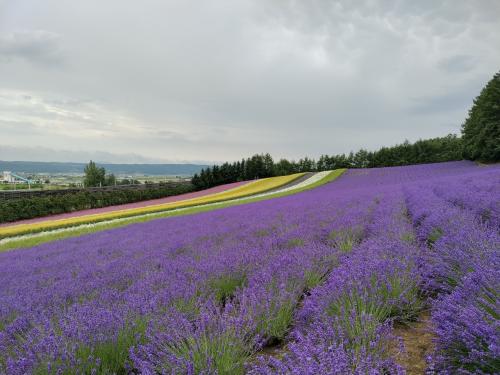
(96,176)
(262,165)
(480,141)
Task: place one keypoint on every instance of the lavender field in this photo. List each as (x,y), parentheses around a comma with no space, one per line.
(311,283)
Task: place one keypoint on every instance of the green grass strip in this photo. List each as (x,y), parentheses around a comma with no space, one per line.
(100,226)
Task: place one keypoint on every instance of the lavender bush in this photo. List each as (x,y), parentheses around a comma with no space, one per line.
(467,324)
(460,266)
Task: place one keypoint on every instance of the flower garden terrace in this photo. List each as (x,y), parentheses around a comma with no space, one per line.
(325,273)
(32,232)
(75,218)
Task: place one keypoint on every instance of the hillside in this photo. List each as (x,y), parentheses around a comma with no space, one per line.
(321,281)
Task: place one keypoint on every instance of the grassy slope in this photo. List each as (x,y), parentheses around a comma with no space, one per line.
(77,231)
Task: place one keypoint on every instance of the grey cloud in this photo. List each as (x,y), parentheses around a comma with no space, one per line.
(458,64)
(33,46)
(18,128)
(219,80)
(442,103)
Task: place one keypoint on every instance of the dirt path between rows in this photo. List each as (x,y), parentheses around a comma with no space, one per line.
(417,338)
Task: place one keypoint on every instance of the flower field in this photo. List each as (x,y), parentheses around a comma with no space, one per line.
(245,190)
(51,234)
(310,283)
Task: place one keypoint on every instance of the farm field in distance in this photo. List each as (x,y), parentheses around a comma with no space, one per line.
(322,281)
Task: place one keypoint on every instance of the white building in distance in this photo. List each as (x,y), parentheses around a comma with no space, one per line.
(8,177)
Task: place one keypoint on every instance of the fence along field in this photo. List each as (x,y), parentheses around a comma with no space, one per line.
(23,194)
(325,272)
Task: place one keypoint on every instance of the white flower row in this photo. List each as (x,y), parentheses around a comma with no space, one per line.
(311,180)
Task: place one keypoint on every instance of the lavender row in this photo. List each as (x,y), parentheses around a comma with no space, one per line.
(477,192)
(460,268)
(344,325)
(261,311)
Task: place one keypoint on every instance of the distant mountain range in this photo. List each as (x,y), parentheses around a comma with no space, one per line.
(117,169)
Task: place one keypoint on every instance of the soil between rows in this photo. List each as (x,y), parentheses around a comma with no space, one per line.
(417,338)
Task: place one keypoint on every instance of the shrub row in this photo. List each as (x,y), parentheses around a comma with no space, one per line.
(27,208)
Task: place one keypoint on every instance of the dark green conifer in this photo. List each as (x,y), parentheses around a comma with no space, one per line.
(481,130)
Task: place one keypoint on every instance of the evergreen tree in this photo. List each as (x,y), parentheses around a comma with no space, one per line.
(360,159)
(268,165)
(306,165)
(322,163)
(283,167)
(481,130)
(242,171)
(195,180)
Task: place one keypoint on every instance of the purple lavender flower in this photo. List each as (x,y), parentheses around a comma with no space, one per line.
(325,271)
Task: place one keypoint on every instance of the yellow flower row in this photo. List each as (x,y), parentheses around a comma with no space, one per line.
(252,188)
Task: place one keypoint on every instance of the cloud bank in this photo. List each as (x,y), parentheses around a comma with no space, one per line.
(219,80)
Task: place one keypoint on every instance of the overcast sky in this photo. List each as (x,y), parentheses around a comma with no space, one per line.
(151,81)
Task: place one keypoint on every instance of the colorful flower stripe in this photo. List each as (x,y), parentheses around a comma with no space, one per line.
(152,202)
(251,188)
(310,181)
(316,180)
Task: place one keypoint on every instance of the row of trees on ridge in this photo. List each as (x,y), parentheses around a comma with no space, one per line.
(480,141)
(262,165)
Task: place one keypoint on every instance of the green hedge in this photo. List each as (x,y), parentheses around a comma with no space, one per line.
(28,208)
